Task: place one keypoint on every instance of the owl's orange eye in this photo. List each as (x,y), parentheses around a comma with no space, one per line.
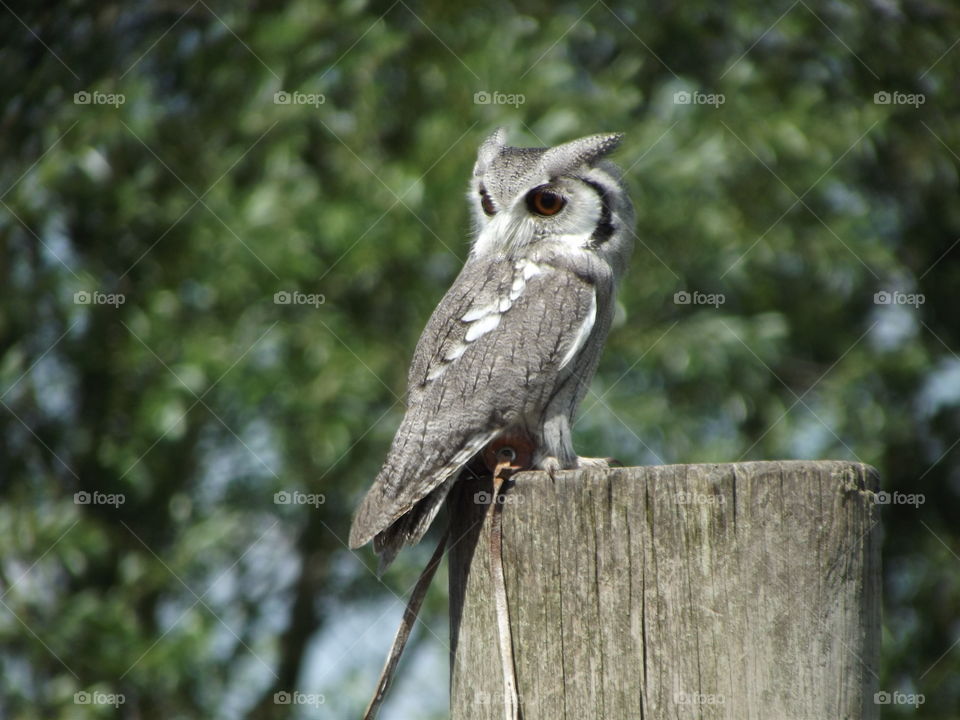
(544,201)
(486,203)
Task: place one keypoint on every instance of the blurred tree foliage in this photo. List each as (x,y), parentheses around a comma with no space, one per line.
(203,194)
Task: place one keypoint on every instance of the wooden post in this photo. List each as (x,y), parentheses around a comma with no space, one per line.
(748,590)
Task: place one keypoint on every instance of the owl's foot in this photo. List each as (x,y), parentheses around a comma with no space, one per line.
(551,465)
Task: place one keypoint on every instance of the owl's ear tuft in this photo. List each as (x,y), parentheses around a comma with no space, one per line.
(583,151)
(489,149)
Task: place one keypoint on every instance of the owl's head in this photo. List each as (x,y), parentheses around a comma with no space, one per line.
(566,195)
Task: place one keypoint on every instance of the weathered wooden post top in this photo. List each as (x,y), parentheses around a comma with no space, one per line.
(748,590)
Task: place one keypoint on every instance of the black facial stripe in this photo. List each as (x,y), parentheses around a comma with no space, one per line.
(604,228)
(486,202)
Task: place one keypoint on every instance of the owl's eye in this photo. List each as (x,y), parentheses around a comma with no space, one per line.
(544,201)
(486,203)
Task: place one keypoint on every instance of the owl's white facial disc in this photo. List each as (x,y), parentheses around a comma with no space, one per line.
(522,223)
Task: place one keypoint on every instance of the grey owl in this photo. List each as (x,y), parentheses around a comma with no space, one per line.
(516,340)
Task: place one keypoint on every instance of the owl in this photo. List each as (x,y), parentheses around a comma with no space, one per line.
(514,343)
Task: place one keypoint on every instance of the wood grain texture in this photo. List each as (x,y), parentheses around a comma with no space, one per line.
(748,590)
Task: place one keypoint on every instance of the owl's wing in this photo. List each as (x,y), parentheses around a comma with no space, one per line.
(494,351)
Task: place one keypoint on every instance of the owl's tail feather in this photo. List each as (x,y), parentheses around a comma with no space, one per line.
(402,519)
(411,526)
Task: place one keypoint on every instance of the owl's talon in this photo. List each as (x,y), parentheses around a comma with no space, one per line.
(552,466)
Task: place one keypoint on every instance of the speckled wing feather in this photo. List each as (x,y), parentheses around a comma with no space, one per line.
(490,356)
